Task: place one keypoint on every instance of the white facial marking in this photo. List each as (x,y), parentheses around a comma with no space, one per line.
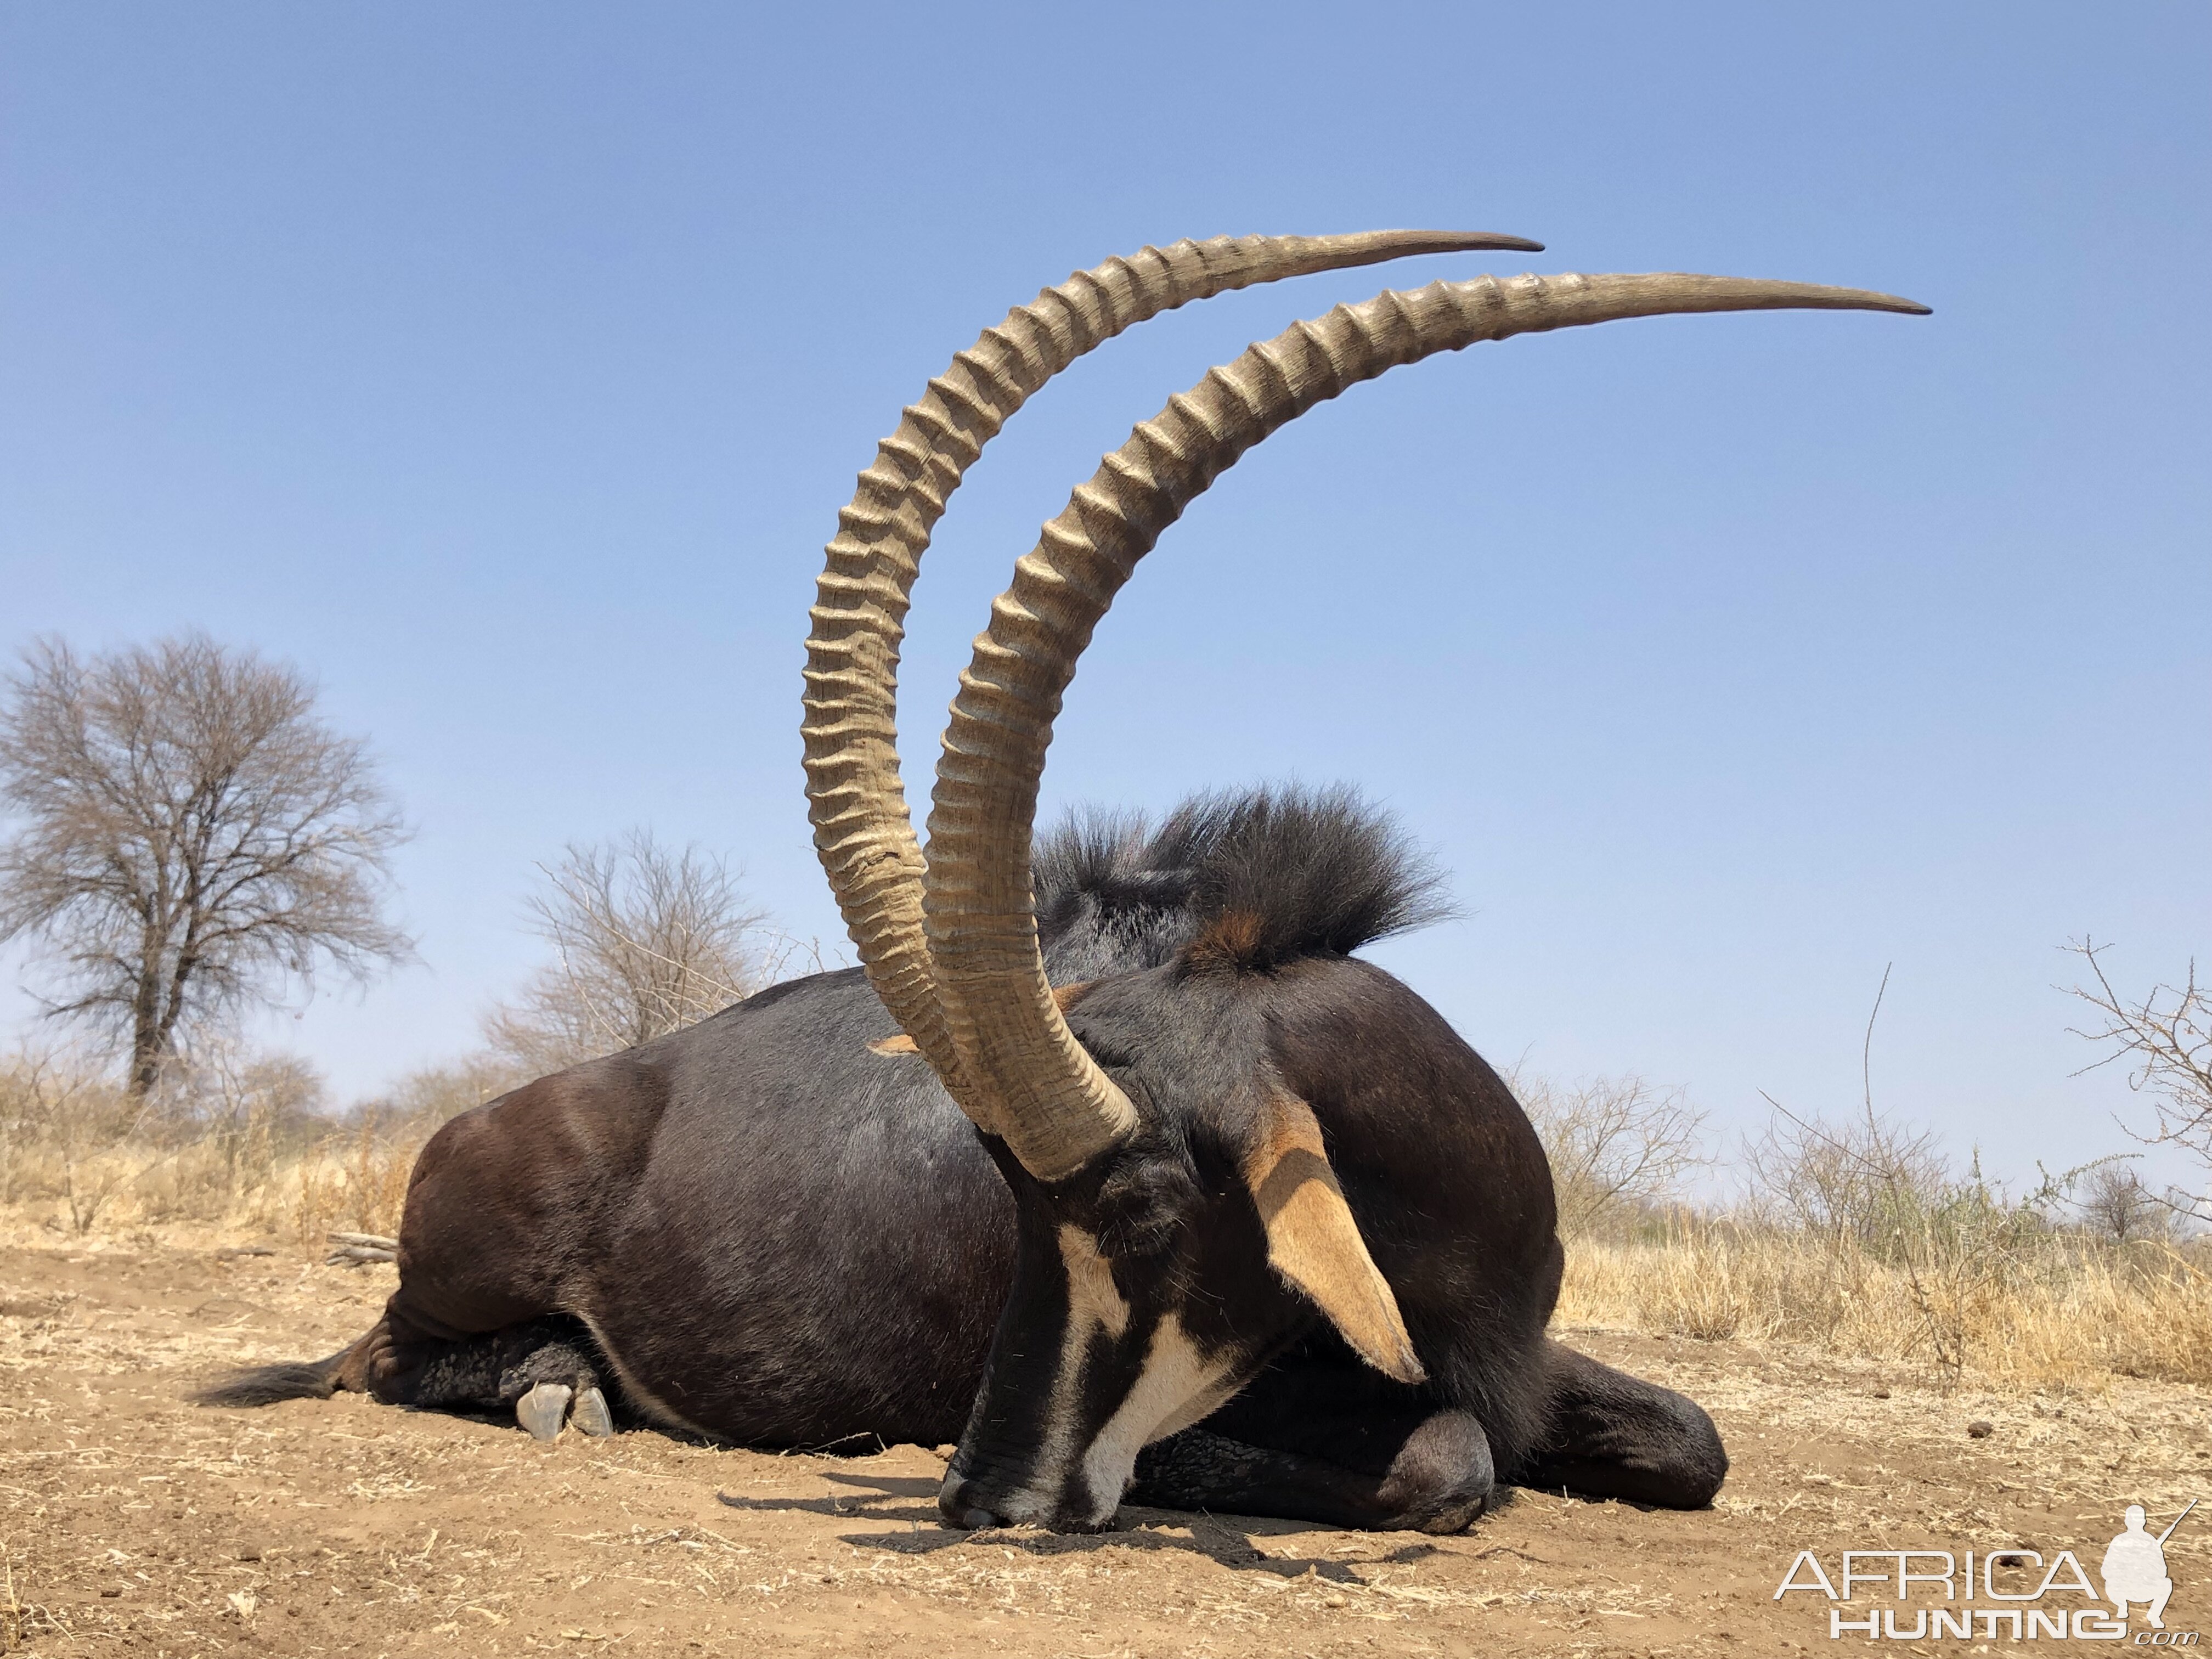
(1093,1305)
(1177,1387)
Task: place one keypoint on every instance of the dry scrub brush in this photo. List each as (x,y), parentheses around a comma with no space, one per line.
(1859,1237)
(645,940)
(228,1139)
(1856,1238)
(2164,1041)
(2056,1308)
(1619,1146)
(68,1136)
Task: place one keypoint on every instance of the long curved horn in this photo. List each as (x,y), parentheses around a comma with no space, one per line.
(1060,1108)
(856,800)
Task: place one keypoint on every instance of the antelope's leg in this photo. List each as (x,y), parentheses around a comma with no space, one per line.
(1321,1437)
(1611,1435)
(538,1369)
(555,1368)
(1438,1480)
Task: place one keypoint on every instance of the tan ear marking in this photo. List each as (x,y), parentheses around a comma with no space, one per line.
(901,1044)
(1314,1242)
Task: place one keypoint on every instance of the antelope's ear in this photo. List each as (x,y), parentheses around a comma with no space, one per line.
(1314,1244)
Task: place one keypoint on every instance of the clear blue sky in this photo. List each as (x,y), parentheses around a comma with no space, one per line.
(504,366)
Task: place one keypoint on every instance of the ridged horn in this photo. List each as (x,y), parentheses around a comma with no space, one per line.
(1060,1108)
(855,798)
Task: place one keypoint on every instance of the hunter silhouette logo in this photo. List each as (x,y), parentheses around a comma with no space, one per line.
(1946,1584)
(2135,1567)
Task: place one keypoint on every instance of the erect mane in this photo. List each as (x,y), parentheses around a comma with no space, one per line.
(1251,879)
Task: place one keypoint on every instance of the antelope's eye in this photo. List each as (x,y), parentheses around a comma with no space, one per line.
(1144,1206)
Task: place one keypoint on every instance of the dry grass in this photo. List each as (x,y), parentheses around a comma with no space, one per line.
(354,1182)
(243,1148)
(2050,1308)
(1945,1278)
(353,1179)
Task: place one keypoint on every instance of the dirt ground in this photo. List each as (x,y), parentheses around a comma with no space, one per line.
(131,1522)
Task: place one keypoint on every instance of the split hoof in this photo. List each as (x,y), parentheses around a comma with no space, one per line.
(592,1415)
(542,1410)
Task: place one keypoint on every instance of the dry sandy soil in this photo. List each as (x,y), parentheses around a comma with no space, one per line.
(133,1523)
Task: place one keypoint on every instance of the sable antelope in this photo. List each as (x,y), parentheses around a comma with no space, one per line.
(1113,1163)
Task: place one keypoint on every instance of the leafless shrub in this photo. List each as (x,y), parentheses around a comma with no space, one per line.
(205,1144)
(354,1175)
(191,837)
(426,1099)
(224,1116)
(2068,1311)
(230,1136)
(66,1132)
(1868,1178)
(1617,1146)
(356,1178)
(1860,1179)
(2165,1041)
(1871,1193)
(646,940)
(2114,1204)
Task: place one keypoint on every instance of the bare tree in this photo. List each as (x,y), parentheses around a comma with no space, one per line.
(1875,1187)
(645,940)
(1863,1180)
(1860,1179)
(1614,1142)
(2165,1042)
(2116,1205)
(191,837)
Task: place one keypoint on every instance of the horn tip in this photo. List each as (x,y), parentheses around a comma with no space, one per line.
(1404,244)
(1494,240)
